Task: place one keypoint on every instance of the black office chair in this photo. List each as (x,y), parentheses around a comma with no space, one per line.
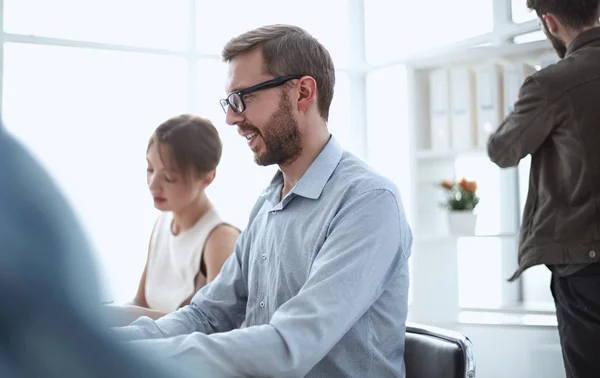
(433,352)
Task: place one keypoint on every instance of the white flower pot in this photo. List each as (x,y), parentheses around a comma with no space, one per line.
(462,223)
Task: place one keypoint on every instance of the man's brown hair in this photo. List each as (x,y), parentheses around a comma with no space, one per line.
(289,50)
(191,143)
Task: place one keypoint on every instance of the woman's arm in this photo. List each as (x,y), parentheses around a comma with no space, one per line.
(219,246)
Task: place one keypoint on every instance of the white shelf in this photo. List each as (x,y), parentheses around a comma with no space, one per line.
(469,54)
(507,319)
(442,237)
(529,308)
(429,154)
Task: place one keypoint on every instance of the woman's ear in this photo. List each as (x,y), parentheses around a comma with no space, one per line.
(208,178)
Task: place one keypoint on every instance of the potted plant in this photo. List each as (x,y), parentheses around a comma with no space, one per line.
(461,200)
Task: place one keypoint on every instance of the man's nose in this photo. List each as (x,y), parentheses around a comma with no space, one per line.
(232,118)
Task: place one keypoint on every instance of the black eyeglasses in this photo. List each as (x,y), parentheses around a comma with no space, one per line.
(236,99)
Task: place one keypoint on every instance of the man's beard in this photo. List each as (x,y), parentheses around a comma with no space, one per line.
(559,46)
(282,139)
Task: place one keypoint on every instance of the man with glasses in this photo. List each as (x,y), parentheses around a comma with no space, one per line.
(320,275)
(556,120)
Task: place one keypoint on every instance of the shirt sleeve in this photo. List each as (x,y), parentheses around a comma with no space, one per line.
(369,240)
(219,306)
(525,129)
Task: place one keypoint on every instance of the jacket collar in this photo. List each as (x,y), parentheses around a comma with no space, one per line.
(587,37)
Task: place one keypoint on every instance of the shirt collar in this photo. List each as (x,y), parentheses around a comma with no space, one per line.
(583,39)
(313,181)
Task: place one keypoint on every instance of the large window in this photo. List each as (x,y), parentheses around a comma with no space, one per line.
(158,23)
(85,103)
(520,12)
(216,24)
(87,115)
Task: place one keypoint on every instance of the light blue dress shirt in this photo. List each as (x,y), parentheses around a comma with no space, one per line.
(320,279)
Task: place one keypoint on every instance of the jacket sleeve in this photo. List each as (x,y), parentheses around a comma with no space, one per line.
(525,129)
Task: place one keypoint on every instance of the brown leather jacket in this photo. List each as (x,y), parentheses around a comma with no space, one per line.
(557,120)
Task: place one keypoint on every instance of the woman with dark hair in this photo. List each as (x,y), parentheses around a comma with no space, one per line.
(189,242)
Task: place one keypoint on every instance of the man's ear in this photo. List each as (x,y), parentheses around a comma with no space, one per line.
(307,92)
(552,23)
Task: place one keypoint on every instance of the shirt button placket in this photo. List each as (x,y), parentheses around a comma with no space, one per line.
(261,294)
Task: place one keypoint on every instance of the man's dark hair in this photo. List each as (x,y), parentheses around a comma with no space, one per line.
(575,14)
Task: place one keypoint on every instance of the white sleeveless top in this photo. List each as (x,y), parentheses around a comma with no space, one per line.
(174,261)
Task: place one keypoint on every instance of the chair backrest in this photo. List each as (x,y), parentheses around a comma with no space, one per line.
(432,352)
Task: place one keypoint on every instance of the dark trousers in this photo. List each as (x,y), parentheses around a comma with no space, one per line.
(577,299)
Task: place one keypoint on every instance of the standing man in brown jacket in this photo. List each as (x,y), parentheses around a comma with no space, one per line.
(557,121)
